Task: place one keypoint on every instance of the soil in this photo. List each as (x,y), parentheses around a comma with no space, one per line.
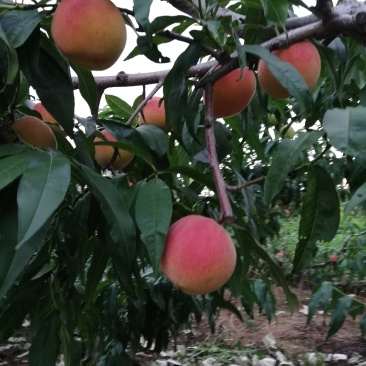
(293,336)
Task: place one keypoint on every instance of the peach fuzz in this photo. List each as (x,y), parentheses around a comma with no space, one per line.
(199,255)
(104,153)
(153,113)
(34,131)
(303,56)
(231,94)
(90,33)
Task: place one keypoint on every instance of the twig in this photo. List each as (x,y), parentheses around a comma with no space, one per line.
(245,184)
(226,210)
(179,37)
(142,104)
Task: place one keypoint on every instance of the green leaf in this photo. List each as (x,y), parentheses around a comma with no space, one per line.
(141,10)
(19,24)
(12,167)
(319,216)
(276,271)
(286,74)
(287,154)
(17,306)
(119,106)
(46,343)
(321,295)
(345,129)
(95,272)
(275,10)
(154,137)
(153,212)
(339,313)
(87,87)
(358,197)
(193,173)
(12,149)
(54,88)
(42,188)
(175,85)
(13,262)
(121,226)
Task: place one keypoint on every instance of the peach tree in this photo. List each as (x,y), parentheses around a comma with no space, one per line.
(81,243)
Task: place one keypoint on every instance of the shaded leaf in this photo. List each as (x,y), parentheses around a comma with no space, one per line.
(122,229)
(339,314)
(287,153)
(357,198)
(321,295)
(319,216)
(345,129)
(153,212)
(12,167)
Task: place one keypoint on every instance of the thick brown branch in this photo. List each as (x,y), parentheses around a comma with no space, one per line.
(226,210)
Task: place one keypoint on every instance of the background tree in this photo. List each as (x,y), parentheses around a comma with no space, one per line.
(84,222)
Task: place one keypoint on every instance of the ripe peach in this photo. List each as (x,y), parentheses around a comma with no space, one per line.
(280,255)
(152,113)
(91,33)
(34,131)
(104,153)
(231,94)
(47,117)
(303,56)
(199,255)
(333,258)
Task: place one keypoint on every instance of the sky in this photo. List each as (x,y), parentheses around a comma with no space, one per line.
(141,63)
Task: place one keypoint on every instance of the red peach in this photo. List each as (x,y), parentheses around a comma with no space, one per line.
(104,153)
(199,255)
(333,258)
(303,56)
(90,33)
(231,94)
(153,113)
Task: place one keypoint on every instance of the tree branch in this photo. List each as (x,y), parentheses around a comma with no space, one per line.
(226,210)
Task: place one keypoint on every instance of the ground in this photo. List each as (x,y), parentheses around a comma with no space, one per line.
(293,336)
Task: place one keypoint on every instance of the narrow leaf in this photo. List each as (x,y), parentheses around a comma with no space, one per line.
(358,197)
(319,216)
(287,154)
(115,210)
(153,215)
(12,167)
(41,190)
(339,314)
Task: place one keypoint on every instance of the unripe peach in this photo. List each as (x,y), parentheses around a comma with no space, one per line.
(152,113)
(303,56)
(90,33)
(34,131)
(289,134)
(104,153)
(199,255)
(231,94)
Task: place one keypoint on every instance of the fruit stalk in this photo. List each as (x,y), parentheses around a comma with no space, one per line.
(226,210)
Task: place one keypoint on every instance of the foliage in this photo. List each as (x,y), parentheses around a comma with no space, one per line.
(80,247)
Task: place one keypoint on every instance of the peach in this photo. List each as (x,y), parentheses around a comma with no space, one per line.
(152,113)
(90,33)
(47,117)
(333,257)
(231,94)
(104,153)
(303,56)
(289,134)
(199,255)
(34,131)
